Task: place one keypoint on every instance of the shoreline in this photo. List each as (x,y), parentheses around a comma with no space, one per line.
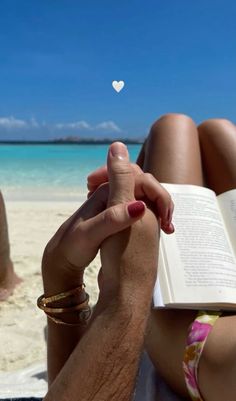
(75,141)
(45,194)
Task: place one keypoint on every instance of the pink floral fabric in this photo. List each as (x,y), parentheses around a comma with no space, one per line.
(197,335)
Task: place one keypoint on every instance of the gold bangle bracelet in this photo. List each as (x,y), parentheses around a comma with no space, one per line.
(42,305)
(62,295)
(83,317)
(82,310)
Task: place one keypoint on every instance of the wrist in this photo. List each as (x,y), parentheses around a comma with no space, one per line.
(57,277)
(70,307)
(57,286)
(58,281)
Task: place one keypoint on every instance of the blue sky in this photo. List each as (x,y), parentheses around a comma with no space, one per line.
(59,57)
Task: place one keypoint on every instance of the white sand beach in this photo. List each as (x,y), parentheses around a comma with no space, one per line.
(22,324)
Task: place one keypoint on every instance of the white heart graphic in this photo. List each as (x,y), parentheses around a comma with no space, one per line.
(118,86)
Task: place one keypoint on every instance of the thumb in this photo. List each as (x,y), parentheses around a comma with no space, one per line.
(111,221)
(120,173)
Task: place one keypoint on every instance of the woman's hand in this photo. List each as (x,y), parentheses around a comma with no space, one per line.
(77,241)
(147,188)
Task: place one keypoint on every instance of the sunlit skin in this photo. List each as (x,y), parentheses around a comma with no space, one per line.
(128,258)
(175,151)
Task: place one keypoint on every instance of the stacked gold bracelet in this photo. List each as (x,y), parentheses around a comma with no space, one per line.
(81,311)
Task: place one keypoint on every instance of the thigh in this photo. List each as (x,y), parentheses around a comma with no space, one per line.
(172,154)
(218,362)
(172,151)
(218,148)
(167,332)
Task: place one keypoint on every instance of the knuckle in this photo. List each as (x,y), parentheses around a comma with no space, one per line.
(147,226)
(48,248)
(123,170)
(111,216)
(103,189)
(149,177)
(165,196)
(168,198)
(55,242)
(136,169)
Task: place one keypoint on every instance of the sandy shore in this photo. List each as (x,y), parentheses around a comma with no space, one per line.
(22,324)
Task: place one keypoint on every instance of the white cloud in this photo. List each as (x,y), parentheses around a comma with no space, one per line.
(12,123)
(73,125)
(108,126)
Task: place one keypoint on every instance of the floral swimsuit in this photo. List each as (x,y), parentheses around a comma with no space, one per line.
(197,336)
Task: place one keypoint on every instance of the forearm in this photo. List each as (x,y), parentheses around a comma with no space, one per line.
(104,364)
(61,342)
(62,339)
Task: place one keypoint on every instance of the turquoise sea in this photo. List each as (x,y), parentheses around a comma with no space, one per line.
(50,172)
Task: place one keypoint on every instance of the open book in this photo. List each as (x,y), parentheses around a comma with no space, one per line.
(197,264)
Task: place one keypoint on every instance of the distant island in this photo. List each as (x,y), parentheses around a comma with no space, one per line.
(71,140)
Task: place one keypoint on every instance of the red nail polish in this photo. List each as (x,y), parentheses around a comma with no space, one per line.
(135,209)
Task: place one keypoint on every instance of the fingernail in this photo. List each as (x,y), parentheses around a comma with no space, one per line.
(136,208)
(169,228)
(118,149)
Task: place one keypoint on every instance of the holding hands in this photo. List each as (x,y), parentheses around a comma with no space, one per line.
(110,209)
(121,218)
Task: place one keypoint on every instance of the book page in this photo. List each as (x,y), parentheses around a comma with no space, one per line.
(227,204)
(161,293)
(157,295)
(199,255)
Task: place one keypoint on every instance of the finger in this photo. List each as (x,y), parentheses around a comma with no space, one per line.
(96,203)
(100,176)
(147,186)
(97,177)
(91,233)
(120,174)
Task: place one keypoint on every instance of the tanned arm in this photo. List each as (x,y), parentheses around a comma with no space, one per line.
(104,365)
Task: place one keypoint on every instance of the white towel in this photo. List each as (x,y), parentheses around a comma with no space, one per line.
(32,382)
(28,382)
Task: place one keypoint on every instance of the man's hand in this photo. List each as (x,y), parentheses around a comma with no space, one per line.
(129,258)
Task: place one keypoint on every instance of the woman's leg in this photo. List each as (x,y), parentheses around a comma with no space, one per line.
(172,154)
(8,279)
(218,149)
(218,362)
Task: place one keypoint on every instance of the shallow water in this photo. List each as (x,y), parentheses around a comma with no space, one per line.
(50,172)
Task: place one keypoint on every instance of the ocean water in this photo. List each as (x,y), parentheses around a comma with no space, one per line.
(50,172)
